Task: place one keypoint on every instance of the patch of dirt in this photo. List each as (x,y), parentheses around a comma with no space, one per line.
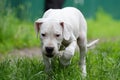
(29,52)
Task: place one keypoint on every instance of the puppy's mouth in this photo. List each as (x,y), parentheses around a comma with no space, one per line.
(49,55)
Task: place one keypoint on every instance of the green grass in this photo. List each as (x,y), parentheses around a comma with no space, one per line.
(103,62)
(15,33)
(103,26)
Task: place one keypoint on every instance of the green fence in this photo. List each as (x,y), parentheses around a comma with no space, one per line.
(32,9)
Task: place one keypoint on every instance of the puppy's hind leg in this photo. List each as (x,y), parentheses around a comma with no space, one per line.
(82,43)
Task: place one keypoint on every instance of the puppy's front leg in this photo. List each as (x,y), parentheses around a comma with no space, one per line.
(47,63)
(68,53)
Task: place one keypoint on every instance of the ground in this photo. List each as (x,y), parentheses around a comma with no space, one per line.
(27,52)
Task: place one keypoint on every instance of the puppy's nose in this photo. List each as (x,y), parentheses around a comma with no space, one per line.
(49,49)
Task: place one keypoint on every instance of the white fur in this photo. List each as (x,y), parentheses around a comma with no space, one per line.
(71,25)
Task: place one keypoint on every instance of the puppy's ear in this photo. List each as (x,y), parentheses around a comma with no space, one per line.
(37,25)
(66,31)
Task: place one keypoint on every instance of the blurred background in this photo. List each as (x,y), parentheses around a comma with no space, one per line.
(17,20)
(32,9)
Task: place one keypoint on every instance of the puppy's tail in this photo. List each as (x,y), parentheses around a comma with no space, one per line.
(92,44)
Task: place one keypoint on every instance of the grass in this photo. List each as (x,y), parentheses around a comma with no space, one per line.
(103,26)
(15,33)
(103,62)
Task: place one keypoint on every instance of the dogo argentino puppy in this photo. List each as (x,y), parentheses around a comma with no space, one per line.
(63,27)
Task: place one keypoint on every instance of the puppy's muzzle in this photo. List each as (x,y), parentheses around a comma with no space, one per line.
(49,51)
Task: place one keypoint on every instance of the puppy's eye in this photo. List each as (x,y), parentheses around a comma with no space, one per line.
(57,35)
(43,35)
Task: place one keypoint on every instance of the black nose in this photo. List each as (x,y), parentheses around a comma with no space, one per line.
(49,49)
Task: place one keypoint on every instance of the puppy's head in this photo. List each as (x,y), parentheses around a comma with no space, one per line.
(51,35)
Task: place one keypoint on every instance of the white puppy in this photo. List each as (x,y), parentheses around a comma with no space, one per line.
(63,27)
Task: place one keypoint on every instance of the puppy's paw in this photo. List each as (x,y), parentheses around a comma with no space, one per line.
(64,61)
(60,53)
